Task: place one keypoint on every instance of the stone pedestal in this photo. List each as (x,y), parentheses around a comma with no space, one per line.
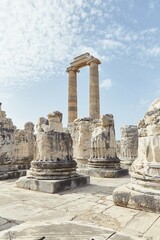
(103,161)
(128,145)
(144,190)
(53,168)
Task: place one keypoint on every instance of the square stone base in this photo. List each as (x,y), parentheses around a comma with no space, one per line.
(126,197)
(52,186)
(103,172)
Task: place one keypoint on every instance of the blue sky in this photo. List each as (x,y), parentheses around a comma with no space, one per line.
(38,40)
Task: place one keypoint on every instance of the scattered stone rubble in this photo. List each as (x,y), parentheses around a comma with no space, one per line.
(144,190)
(16,147)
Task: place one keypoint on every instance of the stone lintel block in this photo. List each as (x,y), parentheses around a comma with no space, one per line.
(103,173)
(126,197)
(52,186)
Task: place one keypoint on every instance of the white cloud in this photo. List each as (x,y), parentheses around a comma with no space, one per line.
(111,44)
(39,38)
(154,51)
(106,84)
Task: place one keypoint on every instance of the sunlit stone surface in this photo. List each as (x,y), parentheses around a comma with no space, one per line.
(54,159)
(16,147)
(144,190)
(128,145)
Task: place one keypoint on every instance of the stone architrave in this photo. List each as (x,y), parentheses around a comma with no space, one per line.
(53,168)
(128,145)
(144,190)
(94,104)
(16,147)
(103,161)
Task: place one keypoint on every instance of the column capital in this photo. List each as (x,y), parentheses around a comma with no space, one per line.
(93,60)
(72,69)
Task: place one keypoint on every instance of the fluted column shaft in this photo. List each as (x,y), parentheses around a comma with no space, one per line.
(94,90)
(72,94)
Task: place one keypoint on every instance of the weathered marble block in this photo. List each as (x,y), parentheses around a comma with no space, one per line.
(53,160)
(128,145)
(103,161)
(144,190)
(16,147)
(81,135)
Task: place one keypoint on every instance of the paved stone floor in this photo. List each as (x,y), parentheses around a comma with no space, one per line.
(86,213)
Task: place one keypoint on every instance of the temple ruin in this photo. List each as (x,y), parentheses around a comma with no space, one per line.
(94,103)
(144,190)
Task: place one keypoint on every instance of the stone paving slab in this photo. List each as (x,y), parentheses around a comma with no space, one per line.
(135,228)
(84,213)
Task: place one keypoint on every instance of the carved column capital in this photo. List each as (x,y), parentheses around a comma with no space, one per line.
(72,69)
(93,60)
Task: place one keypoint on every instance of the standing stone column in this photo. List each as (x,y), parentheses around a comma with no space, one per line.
(72,93)
(94,89)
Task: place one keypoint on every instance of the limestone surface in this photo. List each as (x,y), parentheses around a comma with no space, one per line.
(128,145)
(81,213)
(16,147)
(53,168)
(144,190)
(82,133)
(103,160)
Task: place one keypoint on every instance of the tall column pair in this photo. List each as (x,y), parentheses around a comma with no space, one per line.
(94,104)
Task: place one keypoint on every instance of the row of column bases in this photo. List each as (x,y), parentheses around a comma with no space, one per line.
(94,103)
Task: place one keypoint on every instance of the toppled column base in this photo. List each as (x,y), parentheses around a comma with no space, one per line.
(52,186)
(139,198)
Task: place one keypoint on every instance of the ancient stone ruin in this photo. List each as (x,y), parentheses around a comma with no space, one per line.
(94,104)
(103,161)
(94,147)
(144,190)
(128,145)
(81,135)
(53,168)
(16,147)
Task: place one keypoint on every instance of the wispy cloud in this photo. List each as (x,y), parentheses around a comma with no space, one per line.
(106,84)
(38,38)
(154,51)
